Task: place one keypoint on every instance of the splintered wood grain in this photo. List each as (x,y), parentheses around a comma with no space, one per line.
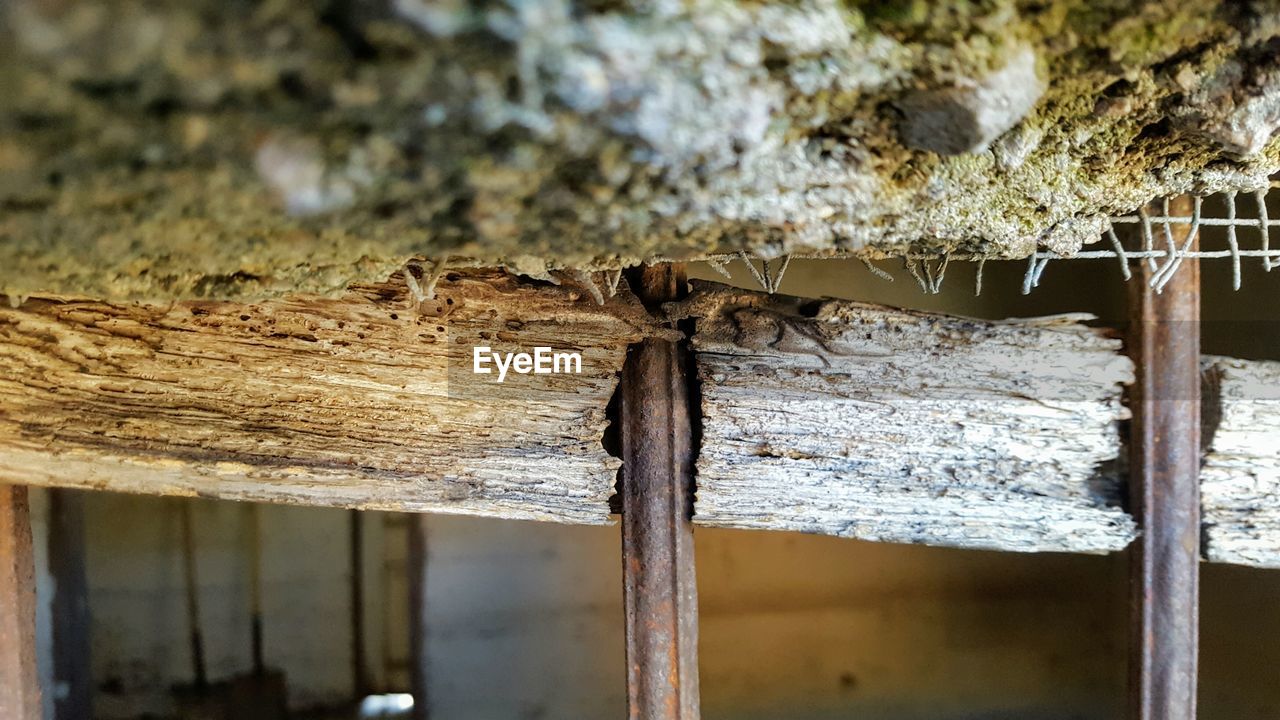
(364,401)
(868,422)
(1240,478)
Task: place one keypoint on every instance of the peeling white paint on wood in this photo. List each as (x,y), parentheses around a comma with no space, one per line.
(362,401)
(874,423)
(1240,479)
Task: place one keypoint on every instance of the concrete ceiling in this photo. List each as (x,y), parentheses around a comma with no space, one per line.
(215,148)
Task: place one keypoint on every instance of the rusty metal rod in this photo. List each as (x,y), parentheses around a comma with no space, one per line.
(255,591)
(19,684)
(1164,489)
(192,587)
(659,586)
(359,665)
(420,671)
(69,607)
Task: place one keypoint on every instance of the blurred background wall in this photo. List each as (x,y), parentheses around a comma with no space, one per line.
(525,620)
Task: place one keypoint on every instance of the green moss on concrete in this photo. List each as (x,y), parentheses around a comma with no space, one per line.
(238,149)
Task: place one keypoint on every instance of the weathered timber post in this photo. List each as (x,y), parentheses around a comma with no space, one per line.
(659,584)
(1164,488)
(19,685)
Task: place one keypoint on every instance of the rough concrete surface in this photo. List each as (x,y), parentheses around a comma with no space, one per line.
(237,149)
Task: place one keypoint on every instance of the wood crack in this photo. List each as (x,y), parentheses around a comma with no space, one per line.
(998,435)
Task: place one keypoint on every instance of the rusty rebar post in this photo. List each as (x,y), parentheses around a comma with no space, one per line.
(69,606)
(359,665)
(192,586)
(19,687)
(659,586)
(1164,489)
(420,679)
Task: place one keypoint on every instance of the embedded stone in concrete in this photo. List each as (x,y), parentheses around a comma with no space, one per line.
(966,116)
(1236,104)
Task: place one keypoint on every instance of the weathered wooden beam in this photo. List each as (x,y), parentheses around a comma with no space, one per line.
(369,400)
(1240,478)
(19,686)
(1164,493)
(867,422)
(921,432)
(934,430)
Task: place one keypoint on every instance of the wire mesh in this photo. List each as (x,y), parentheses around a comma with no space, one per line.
(1163,254)
(1160,250)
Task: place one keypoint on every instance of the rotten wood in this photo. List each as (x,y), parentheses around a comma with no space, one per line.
(659,580)
(861,421)
(934,430)
(19,686)
(365,401)
(1164,488)
(1240,477)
